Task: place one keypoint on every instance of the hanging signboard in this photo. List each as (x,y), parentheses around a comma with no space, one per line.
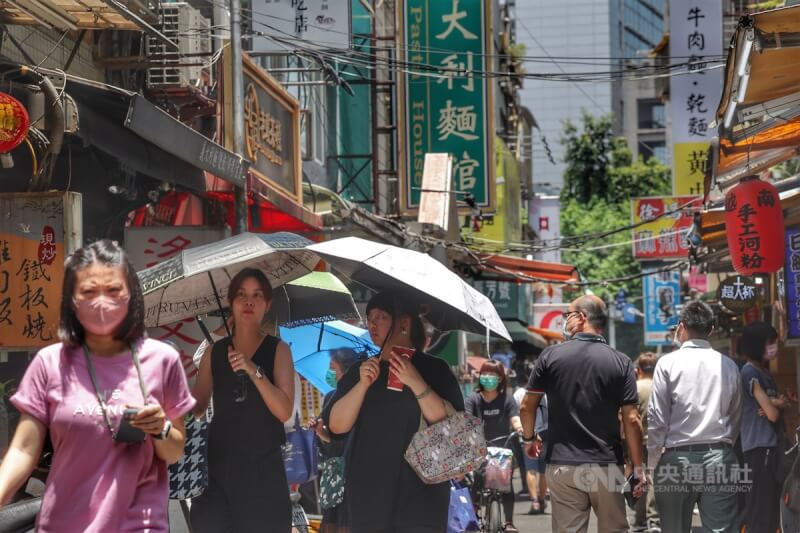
(738,293)
(792,283)
(509,298)
(271,126)
(281,25)
(450,110)
(662,296)
(695,38)
(665,236)
(37,232)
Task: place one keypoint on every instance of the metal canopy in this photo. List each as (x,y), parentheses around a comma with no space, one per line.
(134,15)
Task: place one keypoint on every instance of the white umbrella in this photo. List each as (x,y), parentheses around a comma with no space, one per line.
(195,282)
(455,305)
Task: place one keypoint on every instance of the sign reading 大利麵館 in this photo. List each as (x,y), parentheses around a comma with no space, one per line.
(448,110)
(695,41)
(37,233)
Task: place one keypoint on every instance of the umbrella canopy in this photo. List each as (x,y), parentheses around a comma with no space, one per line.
(315,297)
(196,280)
(455,305)
(312,345)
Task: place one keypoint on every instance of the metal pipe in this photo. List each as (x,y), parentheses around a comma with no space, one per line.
(240,194)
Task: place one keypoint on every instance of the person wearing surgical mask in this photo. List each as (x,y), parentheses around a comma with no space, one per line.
(112,401)
(333,519)
(500,414)
(762,422)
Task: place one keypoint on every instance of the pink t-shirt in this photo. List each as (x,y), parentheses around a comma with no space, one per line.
(96,484)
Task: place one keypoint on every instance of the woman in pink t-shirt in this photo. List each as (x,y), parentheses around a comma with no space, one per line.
(107,474)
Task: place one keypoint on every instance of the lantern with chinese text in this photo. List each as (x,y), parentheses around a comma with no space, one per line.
(14,123)
(754,223)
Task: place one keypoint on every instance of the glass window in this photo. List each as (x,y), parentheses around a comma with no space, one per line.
(651,115)
(654,149)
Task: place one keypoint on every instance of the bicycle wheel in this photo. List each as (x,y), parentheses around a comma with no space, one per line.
(493,520)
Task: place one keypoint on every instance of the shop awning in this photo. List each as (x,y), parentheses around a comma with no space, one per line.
(270,212)
(147,139)
(548,334)
(715,237)
(61,15)
(508,268)
(521,333)
(758,118)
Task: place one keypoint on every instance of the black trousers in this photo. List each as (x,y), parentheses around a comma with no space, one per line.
(762,502)
(252,497)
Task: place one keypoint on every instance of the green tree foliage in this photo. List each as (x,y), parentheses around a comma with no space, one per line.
(600,179)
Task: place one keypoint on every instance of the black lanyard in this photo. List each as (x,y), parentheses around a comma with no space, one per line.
(100,399)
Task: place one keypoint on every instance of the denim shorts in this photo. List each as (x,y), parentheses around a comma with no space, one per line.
(535,465)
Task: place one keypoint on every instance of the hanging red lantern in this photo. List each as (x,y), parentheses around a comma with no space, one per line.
(754,223)
(14,123)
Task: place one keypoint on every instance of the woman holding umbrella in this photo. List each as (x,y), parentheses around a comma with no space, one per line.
(247,488)
(382,492)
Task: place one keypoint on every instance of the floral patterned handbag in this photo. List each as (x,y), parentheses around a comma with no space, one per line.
(331,482)
(448,449)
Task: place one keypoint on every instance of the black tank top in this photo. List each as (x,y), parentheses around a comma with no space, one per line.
(249,422)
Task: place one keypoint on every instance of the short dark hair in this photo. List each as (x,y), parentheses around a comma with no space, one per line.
(646,362)
(494,367)
(109,253)
(754,340)
(594,309)
(398,305)
(345,358)
(698,318)
(247,273)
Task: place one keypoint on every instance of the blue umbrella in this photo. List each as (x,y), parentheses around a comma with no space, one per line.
(311,347)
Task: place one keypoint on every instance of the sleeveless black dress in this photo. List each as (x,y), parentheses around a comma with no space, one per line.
(247,491)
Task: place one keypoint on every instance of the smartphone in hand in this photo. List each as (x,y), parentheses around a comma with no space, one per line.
(394,382)
(630,487)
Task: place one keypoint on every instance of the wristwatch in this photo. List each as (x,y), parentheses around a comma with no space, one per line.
(527,440)
(259,374)
(164,432)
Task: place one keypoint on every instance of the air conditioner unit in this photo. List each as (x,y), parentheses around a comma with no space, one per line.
(184,25)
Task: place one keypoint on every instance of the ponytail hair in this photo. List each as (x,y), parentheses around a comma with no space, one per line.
(399,306)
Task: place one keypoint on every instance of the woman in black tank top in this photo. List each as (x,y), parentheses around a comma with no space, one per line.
(247,490)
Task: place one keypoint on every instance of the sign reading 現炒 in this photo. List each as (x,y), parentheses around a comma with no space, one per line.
(447,110)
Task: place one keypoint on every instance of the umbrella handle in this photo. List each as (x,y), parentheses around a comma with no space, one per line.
(219,304)
(204,329)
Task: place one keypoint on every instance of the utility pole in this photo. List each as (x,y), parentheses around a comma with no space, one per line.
(240,193)
(612,327)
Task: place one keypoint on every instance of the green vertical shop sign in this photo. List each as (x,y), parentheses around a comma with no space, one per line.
(447,100)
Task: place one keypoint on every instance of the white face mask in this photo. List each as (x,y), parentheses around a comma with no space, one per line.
(772,352)
(565,331)
(676,341)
